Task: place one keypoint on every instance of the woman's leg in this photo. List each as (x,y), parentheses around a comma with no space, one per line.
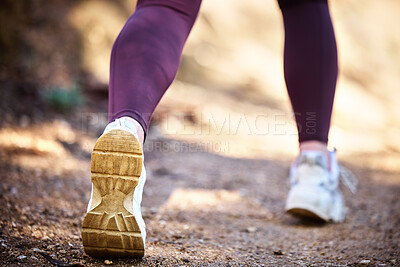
(144,61)
(311,70)
(146,55)
(310,66)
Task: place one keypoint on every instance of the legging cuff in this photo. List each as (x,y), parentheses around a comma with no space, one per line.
(285,4)
(313,138)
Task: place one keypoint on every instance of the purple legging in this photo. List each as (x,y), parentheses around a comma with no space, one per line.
(146,55)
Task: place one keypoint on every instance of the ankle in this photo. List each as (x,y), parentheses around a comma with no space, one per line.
(139,129)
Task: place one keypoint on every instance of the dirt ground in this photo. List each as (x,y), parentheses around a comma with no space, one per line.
(201,208)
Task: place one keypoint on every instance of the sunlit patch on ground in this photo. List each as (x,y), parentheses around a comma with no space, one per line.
(214,201)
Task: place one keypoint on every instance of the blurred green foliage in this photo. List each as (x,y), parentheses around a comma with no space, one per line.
(64,99)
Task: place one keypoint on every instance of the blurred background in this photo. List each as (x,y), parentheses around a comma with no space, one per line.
(55,57)
(228,105)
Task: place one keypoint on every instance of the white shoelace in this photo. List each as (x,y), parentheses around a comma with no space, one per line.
(348,179)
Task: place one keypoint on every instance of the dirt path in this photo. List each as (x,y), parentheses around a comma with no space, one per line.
(201,209)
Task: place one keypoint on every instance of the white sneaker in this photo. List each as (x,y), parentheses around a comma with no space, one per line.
(113,225)
(315,190)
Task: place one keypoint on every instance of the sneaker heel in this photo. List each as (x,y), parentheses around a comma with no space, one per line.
(109,228)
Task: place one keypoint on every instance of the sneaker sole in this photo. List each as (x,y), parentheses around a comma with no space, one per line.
(306,212)
(109,229)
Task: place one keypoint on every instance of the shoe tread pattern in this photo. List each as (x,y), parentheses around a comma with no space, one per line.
(109,229)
